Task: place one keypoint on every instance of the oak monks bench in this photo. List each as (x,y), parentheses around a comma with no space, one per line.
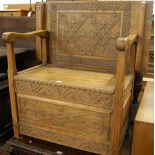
(81,93)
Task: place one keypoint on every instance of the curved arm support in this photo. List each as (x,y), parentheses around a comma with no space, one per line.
(12,36)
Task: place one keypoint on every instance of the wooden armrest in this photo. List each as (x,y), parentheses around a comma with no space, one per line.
(12,36)
(124,43)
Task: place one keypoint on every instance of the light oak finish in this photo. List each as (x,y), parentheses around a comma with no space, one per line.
(12,36)
(11,72)
(143,139)
(80,95)
(40,25)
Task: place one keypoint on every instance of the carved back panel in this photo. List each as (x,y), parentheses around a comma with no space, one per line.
(83,34)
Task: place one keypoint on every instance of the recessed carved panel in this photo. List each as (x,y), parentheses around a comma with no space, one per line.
(92,123)
(88,34)
(84,34)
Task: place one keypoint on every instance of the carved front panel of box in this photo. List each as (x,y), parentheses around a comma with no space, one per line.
(84,34)
(78,121)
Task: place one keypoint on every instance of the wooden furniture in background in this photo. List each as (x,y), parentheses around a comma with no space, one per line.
(148,44)
(143,138)
(20,6)
(20,24)
(150,59)
(5,110)
(81,93)
(13,12)
(25,57)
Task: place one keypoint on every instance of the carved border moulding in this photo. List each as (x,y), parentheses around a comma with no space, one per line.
(71,40)
(60,138)
(70,94)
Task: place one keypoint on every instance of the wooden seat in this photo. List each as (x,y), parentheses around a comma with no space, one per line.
(72,78)
(80,95)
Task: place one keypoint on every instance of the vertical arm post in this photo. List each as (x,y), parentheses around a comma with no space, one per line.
(44,50)
(118,96)
(9,38)
(11,72)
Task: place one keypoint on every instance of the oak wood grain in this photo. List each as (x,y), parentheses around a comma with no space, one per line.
(85,91)
(40,25)
(11,72)
(12,36)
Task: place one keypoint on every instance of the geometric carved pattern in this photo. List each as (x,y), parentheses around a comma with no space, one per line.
(71,141)
(98,40)
(63,93)
(84,35)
